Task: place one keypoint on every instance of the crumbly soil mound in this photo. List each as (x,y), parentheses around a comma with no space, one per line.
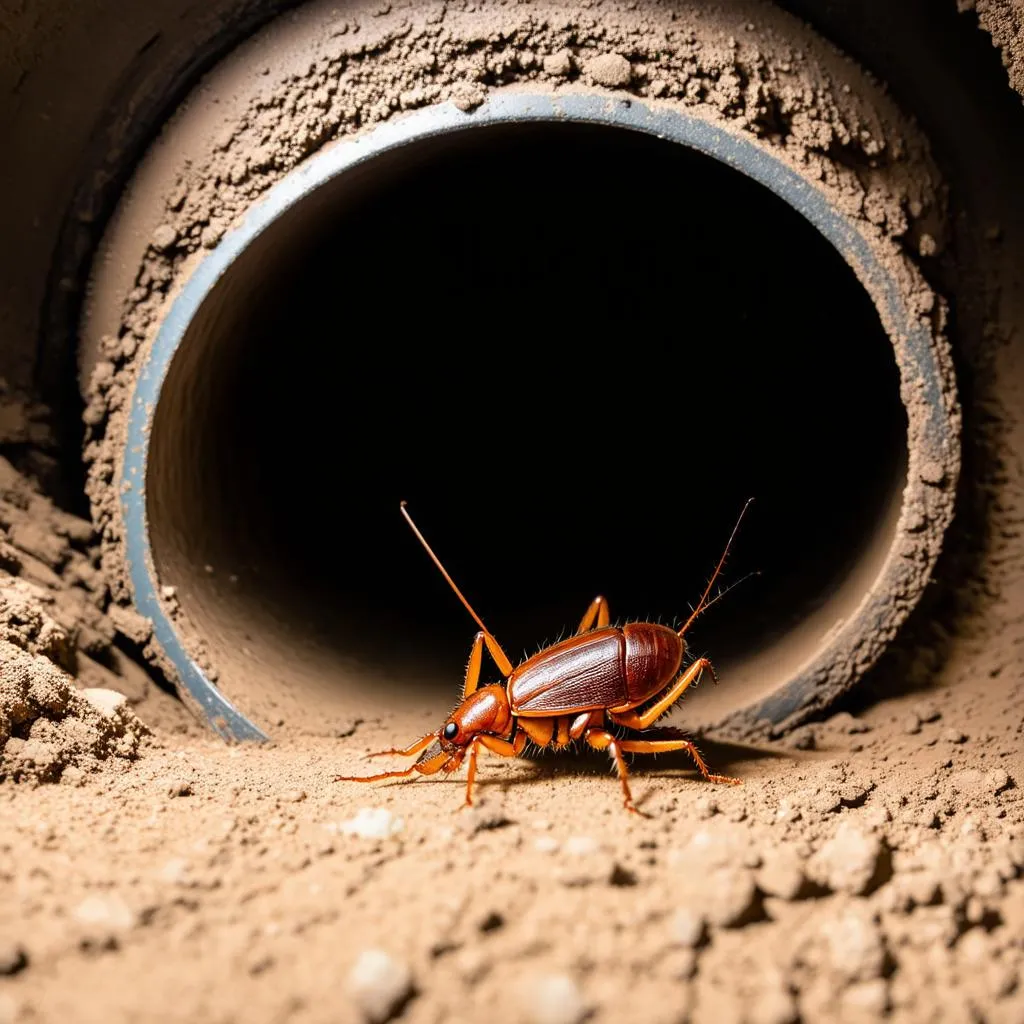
(49,731)
(56,617)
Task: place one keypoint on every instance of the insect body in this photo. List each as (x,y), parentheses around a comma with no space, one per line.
(603,678)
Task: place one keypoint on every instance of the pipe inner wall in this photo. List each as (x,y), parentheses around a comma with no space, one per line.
(576,348)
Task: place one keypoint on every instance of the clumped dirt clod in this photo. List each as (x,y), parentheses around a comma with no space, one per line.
(49,731)
(50,614)
(55,600)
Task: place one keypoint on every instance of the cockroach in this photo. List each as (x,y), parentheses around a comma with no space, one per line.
(578,689)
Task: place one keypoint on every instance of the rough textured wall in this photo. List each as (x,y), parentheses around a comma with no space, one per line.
(1004,22)
(61,68)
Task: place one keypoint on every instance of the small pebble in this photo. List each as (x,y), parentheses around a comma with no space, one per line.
(102,918)
(369,823)
(927,711)
(581,846)
(853,944)
(175,871)
(921,887)
(687,927)
(467,96)
(953,735)
(472,964)
(730,898)
(705,807)
(849,862)
(867,998)
(611,70)
(853,793)
(558,64)
(293,796)
(164,237)
(211,236)
(379,985)
(975,910)
(782,875)
(555,999)
(103,700)
(910,724)
(1003,979)
(179,787)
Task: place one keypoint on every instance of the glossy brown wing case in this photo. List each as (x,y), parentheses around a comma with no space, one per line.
(578,674)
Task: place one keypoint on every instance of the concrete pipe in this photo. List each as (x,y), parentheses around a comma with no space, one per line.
(576,316)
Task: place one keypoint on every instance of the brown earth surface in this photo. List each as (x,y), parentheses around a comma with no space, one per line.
(869,865)
(880,868)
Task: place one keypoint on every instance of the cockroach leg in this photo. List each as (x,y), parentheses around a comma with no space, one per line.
(600,739)
(474,749)
(505,748)
(643,720)
(664,746)
(476,656)
(415,748)
(429,767)
(598,610)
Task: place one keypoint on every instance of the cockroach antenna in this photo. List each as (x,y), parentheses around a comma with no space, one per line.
(492,645)
(704,604)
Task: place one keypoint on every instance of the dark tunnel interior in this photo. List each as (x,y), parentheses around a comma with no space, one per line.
(576,351)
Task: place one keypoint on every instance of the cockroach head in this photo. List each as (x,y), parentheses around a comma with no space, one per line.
(432,751)
(449,737)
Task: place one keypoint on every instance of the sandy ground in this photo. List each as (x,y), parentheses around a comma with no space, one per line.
(869,866)
(878,870)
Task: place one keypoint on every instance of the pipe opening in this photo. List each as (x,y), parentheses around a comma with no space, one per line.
(576,350)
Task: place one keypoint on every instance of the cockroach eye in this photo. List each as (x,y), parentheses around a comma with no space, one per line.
(451,730)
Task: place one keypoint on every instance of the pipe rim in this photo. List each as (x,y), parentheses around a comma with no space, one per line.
(933,443)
